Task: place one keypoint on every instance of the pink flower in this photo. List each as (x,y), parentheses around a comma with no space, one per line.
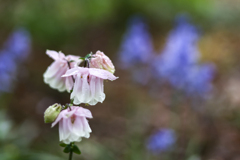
(73,124)
(88,86)
(101,61)
(53,74)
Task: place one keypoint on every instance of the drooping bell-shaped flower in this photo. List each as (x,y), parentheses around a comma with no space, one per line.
(101,61)
(88,86)
(53,74)
(73,124)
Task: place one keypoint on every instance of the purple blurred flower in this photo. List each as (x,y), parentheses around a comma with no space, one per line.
(7,64)
(15,50)
(178,62)
(137,45)
(199,79)
(7,71)
(179,53)
(6,82)
(161,141)
(18,44)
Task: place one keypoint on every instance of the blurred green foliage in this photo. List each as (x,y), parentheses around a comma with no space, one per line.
(16,140)
(55,22)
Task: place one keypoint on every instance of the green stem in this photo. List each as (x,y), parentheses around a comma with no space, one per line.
(71,151)
(71,101)
(86,63)
(70,155)
(69,66)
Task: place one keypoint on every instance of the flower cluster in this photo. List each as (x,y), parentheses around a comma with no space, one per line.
(85,84)
(136,49)
(137,45)
(14,52)
(178,62)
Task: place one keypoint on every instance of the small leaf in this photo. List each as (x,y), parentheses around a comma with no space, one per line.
(88,55)
(76,149)
(67,149)
(71,61)
(62,144)
(82,58)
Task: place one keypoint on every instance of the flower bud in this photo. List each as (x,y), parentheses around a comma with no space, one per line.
(52,112)
(101,61)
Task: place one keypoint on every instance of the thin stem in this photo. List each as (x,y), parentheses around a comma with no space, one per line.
(85,63)
(71,103)
(71,151)
(69,66)
(70,155)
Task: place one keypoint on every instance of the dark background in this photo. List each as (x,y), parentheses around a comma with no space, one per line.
(131,112)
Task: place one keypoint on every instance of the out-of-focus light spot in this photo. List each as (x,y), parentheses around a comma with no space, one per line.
(161,141)
(178,62)
(136,47)
(15,50)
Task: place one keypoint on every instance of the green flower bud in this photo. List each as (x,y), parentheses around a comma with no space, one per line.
(52,112)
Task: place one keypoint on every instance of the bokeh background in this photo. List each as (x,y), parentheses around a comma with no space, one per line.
(178,92)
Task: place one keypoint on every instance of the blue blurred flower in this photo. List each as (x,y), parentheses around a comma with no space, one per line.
(178,62)
(180,51)
(137,45)
(7,71)
(161,141)
(18,44)
(15,50)
(199,79)
(7,64)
